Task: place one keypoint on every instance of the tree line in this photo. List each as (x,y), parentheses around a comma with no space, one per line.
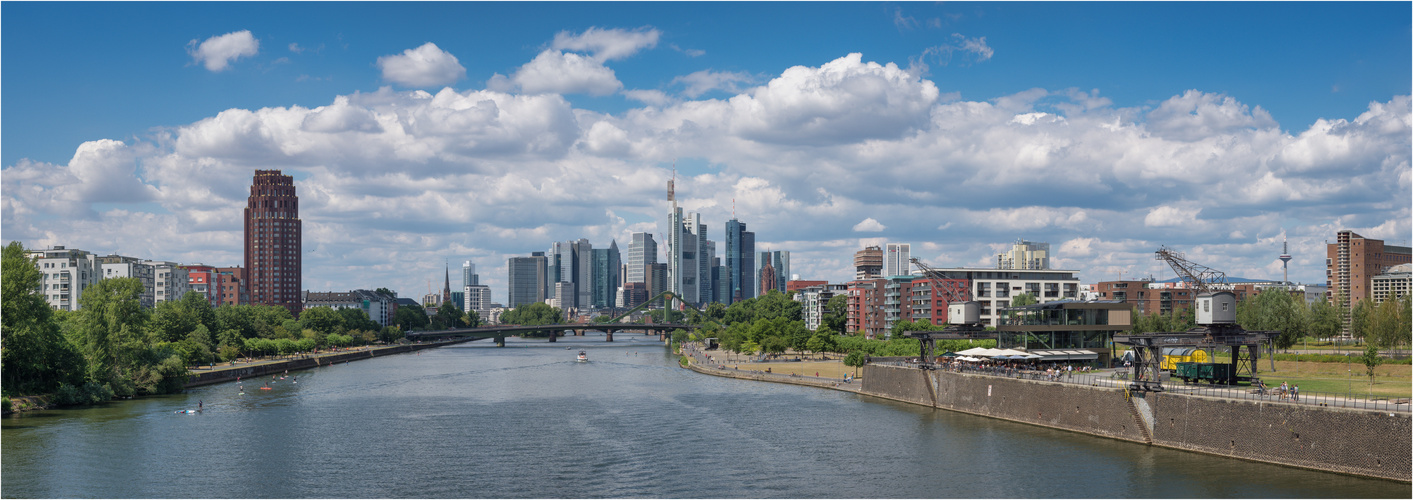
(113,346)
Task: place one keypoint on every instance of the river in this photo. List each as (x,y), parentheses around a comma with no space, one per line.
(527,420)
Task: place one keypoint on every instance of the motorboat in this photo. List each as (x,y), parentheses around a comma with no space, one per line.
(583,356)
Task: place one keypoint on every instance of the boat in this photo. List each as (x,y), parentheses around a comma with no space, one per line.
(583,356)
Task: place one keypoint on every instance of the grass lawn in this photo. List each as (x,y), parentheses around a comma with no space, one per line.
(1389,380)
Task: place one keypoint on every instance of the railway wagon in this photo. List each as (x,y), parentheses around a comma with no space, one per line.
(1174,355)
(1215,373)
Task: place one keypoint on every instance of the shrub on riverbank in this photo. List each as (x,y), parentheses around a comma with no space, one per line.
(88,394)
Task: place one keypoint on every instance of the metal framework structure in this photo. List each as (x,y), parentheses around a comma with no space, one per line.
(1204,279)
(1148,351)
(950,290)
(928,340)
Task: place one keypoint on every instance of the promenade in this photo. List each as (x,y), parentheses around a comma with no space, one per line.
(223,372)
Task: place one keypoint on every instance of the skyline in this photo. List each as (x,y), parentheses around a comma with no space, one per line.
(957,128)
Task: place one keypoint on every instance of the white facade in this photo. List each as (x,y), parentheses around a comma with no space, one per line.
(115,266)
(170,281)
(683,267)
(814,301)
(1395,282)
(477,298)
(896,259)
(642,251)
(1027,255)
(993,289)
(64,275)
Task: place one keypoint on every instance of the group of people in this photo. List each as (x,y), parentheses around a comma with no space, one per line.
(1286,390)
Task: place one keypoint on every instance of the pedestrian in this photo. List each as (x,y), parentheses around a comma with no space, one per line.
(200,405)
(1295,393)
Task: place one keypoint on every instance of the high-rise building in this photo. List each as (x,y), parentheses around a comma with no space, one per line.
(583,273)
(605,276)
(273,241)
(559,266)
(170,281)
(477,298)
(527,280)
(657,281)
(1025,255)
(740,262)
(468,274)
(65,274)
(781,260)
(896,261)
(683,267)
(1352,261)
(642,251)
(767,277)
(868,263)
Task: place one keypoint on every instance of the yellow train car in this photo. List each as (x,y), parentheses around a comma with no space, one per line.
(1174,355)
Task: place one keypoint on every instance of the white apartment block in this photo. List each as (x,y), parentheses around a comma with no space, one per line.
(994,288)
(117,266)
(477,298)
(897,259)
(1025,255)
(64,273)
(378,307)
(170,281)
(1395,282)
(814,301)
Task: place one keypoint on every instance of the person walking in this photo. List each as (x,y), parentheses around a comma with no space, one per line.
(1295,393)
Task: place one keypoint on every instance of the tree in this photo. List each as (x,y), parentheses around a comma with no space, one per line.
(1324,320)
(533,314)
(1275,310)
(1360,318)
(836,315)
(1371,361)
(1023,299)
(448,317)
(170,322)
(357,319)
(322,319)
(36,357)
(855,359)
(410,317)
(472,319)
(774,344)
(108,329)
(386,293)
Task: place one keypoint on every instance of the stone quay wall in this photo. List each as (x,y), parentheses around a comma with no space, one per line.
(245,372)
(1349,441)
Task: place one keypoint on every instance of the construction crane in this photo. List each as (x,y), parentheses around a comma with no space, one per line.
(950,290)
(1203,279)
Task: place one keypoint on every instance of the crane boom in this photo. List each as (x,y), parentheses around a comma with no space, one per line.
(950,290)
(1203,279)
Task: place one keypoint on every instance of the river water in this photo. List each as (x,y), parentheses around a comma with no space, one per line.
(527,420)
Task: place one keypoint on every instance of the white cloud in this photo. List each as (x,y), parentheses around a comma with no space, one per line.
(425,66)
(704,81)
(564,73)
(650,97)
(1168,216)
(869,226)
(217,52)
(1195,115)
(607,44)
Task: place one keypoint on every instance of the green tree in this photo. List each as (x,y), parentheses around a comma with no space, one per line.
(1023,299)
(36,357)
(240,319)
(774,344)
(471,319)
(1275,310)
(855,359)
(1371,361)
(170,322)
(323,319)
(1361,319)
(356,319)
(448,317)
(533,314)
(108,330)
(836,313)
(410,317)
(1324,320)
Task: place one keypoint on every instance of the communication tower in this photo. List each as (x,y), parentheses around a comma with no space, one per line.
(1285,261)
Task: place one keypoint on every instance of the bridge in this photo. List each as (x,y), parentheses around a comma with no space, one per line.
(499,332)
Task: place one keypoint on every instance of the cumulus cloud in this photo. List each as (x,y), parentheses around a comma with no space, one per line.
(561,73)
(704,81)
(393,181)
(425,66)
(869,225)
(217,52)
(607,44)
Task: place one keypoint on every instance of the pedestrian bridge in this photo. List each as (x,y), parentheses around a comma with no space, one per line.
(499,332)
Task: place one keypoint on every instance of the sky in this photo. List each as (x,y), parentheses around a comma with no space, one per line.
(422,135)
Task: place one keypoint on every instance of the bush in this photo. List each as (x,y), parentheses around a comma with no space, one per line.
(91,393)
(4,404)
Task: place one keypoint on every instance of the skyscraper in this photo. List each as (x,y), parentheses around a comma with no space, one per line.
(527,280)
(583,276)
(273,240)
(895,259)
(468,274)
(682,249)
(605,279)
(781,260)
(868,263)
(740,262)
(767,278)
(642,251)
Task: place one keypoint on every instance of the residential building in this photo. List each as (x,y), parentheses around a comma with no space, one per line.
(1352,261)
(273,242)
(170,281)
(117,266)
(65,274)
(895,259)
(431,300)
(868,263)
(1393,283)
(231,289)
(865,307)
(1025,255)
(477,298)
(379,308)
(202,279)
(993,288)
(814,301)
(740,262)
(794,285)
(526,280)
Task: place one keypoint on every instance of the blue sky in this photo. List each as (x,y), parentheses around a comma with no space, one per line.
(1105,129)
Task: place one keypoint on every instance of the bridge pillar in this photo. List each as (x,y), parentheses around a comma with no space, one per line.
(500,341)
(579,332)
(609,336)
(554,336)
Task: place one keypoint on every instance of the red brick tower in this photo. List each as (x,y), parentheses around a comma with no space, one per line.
(273,232)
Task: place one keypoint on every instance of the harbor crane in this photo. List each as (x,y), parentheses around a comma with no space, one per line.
(1203,279)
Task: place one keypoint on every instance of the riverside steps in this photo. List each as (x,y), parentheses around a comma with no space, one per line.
(1362,442)
(221,374)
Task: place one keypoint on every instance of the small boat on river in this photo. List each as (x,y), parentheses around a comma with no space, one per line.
(583,357)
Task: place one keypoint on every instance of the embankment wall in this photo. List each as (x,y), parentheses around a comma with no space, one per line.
(245,372)
(1349,441)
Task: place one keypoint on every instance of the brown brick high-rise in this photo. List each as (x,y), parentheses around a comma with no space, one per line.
(272,242)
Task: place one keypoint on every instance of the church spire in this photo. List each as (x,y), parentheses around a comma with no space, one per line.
(446,287)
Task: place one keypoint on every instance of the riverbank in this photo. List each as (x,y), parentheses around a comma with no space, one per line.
(256,368)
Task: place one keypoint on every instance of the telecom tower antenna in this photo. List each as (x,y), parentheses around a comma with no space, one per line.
(1285,261)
